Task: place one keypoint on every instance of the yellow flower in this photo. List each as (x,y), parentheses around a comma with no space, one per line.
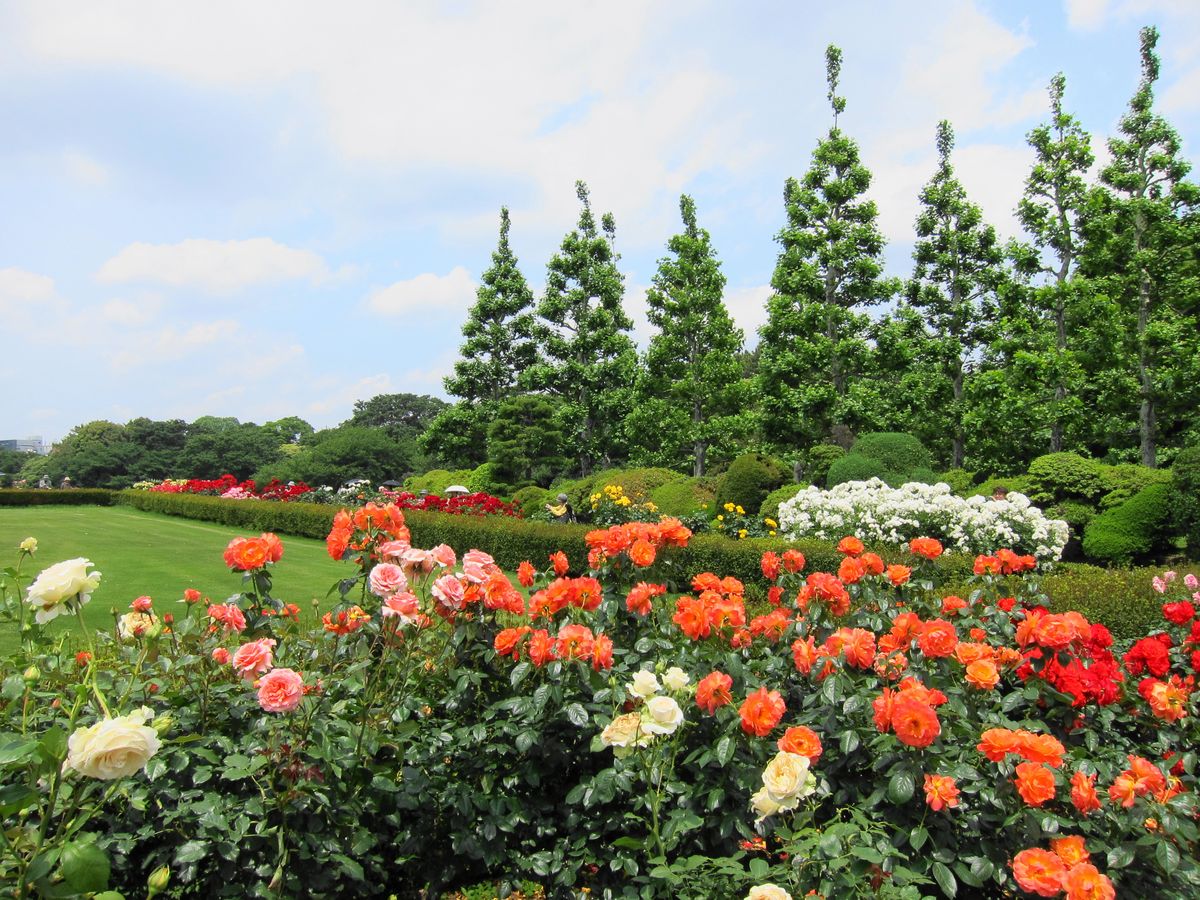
(728,507)
(772,534)
(720,518)
(771,522)
(651,506)
(740,511)
(741,532)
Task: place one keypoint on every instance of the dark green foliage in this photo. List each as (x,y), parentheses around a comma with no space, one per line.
(526,442)
(750,478)
(1077,515)
(770,505)
(899,453)
(334,456)
(1185,498)
(1065,476)
(484,478)
(402,416)
(435,481)
(1123,481)
(531,499)
(1134,530)
(818,459)
(1016,484)
(73,497)
(856,467)
(921,474)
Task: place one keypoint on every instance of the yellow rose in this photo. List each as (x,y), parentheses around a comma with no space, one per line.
(740,511)
(728,507)
(768,892)
(113,748)
(664,715)
(786,776)
(675,679)
(644,684)
(61,582)
(29,545)
(624,733)
(137,624)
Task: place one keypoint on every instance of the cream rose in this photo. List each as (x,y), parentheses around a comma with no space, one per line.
(624,733)
(664,715)
(786,776)
(763,805)
(29,545)
(51,590)
(768,892)
(137,624)
(676,679)
(645,684)
(113,748)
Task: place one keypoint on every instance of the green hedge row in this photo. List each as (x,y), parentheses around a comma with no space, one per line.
(71,497)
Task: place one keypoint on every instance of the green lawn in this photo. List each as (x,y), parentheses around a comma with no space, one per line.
(148,553)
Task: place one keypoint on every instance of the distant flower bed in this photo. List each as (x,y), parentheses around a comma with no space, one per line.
(876,513)
(227,486)
(477,504)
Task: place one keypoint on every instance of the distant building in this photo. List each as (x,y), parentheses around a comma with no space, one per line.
(26,445)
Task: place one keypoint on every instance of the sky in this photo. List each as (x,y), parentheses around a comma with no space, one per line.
(278,208)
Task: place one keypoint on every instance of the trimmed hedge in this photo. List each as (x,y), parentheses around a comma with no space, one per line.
(70,497)
(1133,530)
(770,506)
(1065,476)
(856,467)
(1121,599)
(899,452)
(682,498)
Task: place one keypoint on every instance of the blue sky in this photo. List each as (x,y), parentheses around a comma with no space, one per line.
(279,208)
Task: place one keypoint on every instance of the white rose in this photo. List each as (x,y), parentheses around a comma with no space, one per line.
(113,748)
(664,715)
(59,583)
(786,776)
(675,679)
(765,805)
(768,892)
(645,684)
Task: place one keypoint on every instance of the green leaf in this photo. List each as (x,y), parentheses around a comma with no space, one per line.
(759,869)
(1167,856)
(192,851)
(629,843)
(918,837)
(17,750)
(577,714)
(870,854)
(524,741)
(85,866)
(901,787)
(725,747)
(520,670)
(1121,856)
(945,879)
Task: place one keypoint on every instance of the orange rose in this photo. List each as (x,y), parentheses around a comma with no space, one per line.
(1071,850)
(850,546)
(941,792)
(898,574)
(558,559)
(574,642)
(1041,748)
(793,560)
(857,645)
(1083,793)
(602,652)
(851,569)
(952,604)
(873,563)
(641,553)
(1084,882)
(802,740)
(926,547)
(914,722)
(982,674)
(244,554)
(967,652)
(938,638)
(541,647)
(712,691)
(692,617)
(1039,872)
(997,743)
(761,712)
(638,600)
(507,642)
(526,573)
(1035,783)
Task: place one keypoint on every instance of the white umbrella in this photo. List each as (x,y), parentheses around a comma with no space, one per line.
(456,489)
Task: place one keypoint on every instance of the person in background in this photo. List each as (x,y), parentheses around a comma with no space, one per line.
(561,509)
(1000,493)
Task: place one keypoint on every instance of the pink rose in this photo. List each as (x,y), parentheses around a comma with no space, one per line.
(416,562)
(393,550)
(280,690)
(253,658)
(404,605)
(387,578)
(229,615)
(1158,584)
(141,604)
(1191,581)
(449,592)
(444,556)
(221,655)
(477,565)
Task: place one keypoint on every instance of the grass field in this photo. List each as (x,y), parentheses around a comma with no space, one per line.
(147,553)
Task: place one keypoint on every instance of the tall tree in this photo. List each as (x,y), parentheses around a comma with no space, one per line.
(498,347)
(1051,209)
(1142,226)
(589,359)
(829,268)
(692,369)
(958,272)
(402,416)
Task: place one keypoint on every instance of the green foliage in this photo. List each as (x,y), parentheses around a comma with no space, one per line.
(1065,476)
(750,478)
(531,499)
(526,442)
(402,416)
(855,467)
(458,435)
(899,453)
(334,456)
(1124,480)
(770,504)
(1120,599)
(684,497)
(1075,514)
(1018,483)
(690,394)
(485,479)
(73,497)
(435,481)
(960,480)
(1134,530)
(818,459)
(1185,498)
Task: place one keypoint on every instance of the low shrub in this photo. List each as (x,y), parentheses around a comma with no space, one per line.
(531,499)
(854,467)
(900,453)
(1135,530)
(750,478)
(483,480)
(770,505)
(961,481)
(1077,515)
(818,459)
(435,481)
(1185,498)
(1065,476)
(71,497)
(1123,600)
(1122,481)
(682,498)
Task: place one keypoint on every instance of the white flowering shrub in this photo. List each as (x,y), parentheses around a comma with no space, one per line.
(874,512)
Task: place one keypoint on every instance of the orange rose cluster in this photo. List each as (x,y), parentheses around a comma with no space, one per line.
(641,541)
(1065,868)
(247,554)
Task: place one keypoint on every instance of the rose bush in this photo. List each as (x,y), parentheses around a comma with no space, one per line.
(638,730)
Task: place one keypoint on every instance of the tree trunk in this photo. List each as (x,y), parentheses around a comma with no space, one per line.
(1146,413)
(700,451)
(1060,389)
(959,438)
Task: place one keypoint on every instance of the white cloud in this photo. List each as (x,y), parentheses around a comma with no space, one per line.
(1184,95)
(428,293)
(84,169)
(130,313)
(748,307)
(1086,15)
(18,286)
(214,266)
(171,344)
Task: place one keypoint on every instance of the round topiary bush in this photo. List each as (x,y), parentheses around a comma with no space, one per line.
(900,453)
(750,478)
(1185,498)
(961,481)
(854,467)
(530,499)
(1134,530)
(1122,481)
(770,506)
(818,459)
(1065,476)
(682,498)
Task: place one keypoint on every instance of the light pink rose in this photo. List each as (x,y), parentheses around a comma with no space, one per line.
(253,658)
(221,655)
(403,605)
(228,615)
(449,591)
(1191,581)
(386,579)
(280,690)
(444,556)
(1158,584)
(393,550)
(477,565)
(141,604)
(416,562)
